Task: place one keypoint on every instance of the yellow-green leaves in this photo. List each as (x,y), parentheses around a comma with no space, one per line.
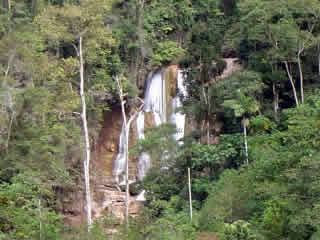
(166,52)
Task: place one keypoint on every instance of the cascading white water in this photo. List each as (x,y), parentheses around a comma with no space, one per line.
(155,97)
(155,102)
(144,158)
(120,162)
(177,118)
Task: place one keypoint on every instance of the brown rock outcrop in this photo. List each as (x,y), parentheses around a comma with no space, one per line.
(106,197)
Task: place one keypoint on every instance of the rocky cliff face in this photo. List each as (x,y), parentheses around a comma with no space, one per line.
(107,198)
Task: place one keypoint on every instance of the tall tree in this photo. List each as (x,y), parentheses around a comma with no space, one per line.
(280,34)
(83,28)
(240,92)
(243,106)
(126,124)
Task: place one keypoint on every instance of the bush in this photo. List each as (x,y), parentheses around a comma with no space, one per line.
(165,53)
(239,230)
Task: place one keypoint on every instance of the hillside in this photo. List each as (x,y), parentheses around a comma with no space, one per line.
(106,104)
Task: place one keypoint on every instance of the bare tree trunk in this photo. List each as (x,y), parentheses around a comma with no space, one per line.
(275,100)
(203,122)
(301,76)
(209,111)
(245,140)
(124,117)
(7,4)
(292,83)
(127,131)
(138,63)
(140,28)
(9,99)
(206,100)
(86,162)
(319,58)
(40,221)
(208,132)
(127,174)
(319,63)
(9,132)
(34,7)
(190,197)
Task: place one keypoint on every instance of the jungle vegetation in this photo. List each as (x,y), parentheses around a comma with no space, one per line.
(268,190)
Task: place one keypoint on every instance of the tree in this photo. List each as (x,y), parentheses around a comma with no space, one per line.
(242,106)
(279,33)
(126,124)
(7,4)
(240,93)
(227,201)
(71,24)
(20,216)
(285,171)
(86,163)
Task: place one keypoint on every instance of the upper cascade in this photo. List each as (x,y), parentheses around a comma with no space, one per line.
(163,109)
(155,97)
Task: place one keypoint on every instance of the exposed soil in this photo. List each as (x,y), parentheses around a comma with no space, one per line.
(206,236)
(232,66)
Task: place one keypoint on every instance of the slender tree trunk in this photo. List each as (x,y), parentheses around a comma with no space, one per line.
(319,63)
(190,197)
(127,131)
(124,117)
(245,140)
(301,76)
(6,73)
(203,122)
(40,221)
(206,100)
(208,132)
(7,4)
(275,100)
(209,111)
(319,58)
(9,100)
(140,28)
(127,179)
(34,6)
(138,63)
(292,83)
(9,132)
(86,162)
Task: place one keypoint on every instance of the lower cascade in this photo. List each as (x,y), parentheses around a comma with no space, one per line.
(163,109)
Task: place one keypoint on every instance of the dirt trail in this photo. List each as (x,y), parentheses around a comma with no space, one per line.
(232,66)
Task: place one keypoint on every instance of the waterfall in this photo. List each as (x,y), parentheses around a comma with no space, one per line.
(155,101)
(155,97)
(120,162)
(144,158)
(177,118)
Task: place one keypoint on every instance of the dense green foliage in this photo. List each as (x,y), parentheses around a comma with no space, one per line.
(268,191)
